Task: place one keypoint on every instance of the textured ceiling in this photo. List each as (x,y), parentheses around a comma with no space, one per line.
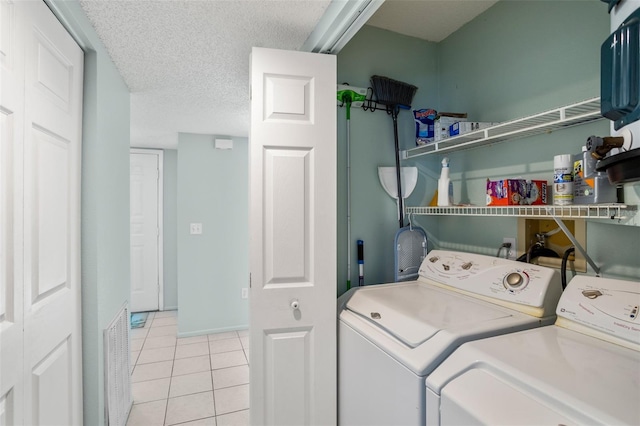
(186,62)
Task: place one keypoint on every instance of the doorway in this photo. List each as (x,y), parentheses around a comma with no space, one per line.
(146,206)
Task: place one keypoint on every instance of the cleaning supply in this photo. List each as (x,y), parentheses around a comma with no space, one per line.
(445,186)
(424,119)
(360,262)
(349,96)
(562,180)
(395,95)
(589,185)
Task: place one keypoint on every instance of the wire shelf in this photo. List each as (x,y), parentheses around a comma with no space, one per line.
(544,122)
(591,211)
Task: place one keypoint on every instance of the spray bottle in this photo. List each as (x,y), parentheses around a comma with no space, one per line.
(445,186)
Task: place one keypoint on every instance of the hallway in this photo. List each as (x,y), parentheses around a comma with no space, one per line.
(201,380)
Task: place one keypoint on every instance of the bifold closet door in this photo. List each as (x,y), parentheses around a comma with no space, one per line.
(293,238)
(41,117)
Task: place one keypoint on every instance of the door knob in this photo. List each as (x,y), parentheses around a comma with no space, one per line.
(295,304)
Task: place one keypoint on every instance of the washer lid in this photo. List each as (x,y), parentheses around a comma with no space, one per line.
(415,312)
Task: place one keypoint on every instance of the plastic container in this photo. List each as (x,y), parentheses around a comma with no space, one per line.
(445,186)
(590,186)
(563,179)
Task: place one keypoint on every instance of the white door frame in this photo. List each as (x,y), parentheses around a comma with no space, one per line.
(160,154)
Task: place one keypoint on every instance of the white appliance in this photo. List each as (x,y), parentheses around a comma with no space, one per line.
(585,369)
(391,336)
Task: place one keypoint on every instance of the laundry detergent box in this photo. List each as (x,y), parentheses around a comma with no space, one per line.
(424,119)
(443,123)
(462,127)
(514,192)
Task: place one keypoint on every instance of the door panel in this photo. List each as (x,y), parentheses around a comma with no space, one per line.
(291,376)
(293,238)
(52,378)
(287,214)
(49,221)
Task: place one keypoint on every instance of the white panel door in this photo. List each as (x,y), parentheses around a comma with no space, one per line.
(145,230)
(293,238)
(11,135)
(41,147)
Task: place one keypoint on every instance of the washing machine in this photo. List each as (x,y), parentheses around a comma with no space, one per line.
(392,336)
(585,369)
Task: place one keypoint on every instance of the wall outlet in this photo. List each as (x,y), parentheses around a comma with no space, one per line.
(511,252)
(245,293)
(195,228)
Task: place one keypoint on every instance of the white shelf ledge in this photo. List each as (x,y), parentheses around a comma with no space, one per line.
(545,122)
(618,212)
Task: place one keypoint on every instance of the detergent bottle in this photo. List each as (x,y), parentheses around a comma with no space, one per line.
(445,186)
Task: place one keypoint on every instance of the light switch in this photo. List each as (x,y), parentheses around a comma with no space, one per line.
(196,228)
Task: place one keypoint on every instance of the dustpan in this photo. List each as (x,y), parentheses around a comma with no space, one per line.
(408,178)
(410,251)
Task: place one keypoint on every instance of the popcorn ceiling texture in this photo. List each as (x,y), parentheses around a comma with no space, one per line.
(186,62)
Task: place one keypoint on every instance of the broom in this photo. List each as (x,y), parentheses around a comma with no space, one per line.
(395,95)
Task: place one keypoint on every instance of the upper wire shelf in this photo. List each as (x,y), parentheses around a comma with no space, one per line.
(544,122)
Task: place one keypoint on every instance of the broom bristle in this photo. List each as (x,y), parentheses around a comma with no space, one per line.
(392,92)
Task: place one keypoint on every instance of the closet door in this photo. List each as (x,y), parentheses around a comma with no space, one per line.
(11,294)
(43,215)
(293,238)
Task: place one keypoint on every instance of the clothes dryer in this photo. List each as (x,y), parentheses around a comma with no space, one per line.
(392,336)
(585,369)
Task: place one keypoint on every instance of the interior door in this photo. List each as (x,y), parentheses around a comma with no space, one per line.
(145,199)
(11,293)
(293,238)
(40,326)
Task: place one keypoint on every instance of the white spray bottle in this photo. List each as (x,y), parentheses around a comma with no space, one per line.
(445,186)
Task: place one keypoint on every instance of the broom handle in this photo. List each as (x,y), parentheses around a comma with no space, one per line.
(394,116)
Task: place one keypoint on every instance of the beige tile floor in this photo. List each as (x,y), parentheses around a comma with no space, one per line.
(201,380)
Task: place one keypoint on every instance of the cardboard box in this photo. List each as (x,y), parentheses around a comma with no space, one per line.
(443,123)
(514,192)
(462,127)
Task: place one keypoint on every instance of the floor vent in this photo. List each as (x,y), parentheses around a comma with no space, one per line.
(117,379)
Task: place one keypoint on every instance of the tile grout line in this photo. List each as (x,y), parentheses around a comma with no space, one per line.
(173,362)
(213,388)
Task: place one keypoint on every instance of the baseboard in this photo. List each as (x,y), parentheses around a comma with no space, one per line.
(213,330)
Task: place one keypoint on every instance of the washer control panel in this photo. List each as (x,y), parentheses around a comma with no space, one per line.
(604,304)
(494,277)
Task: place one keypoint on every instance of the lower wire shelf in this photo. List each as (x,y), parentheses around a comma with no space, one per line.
(621,212)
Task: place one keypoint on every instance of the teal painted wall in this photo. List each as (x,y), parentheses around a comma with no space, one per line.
(213,267)
(516,59)
(170,230)
(373,213)
(105,201)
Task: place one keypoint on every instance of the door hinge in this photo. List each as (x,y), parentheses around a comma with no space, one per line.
(249,280)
